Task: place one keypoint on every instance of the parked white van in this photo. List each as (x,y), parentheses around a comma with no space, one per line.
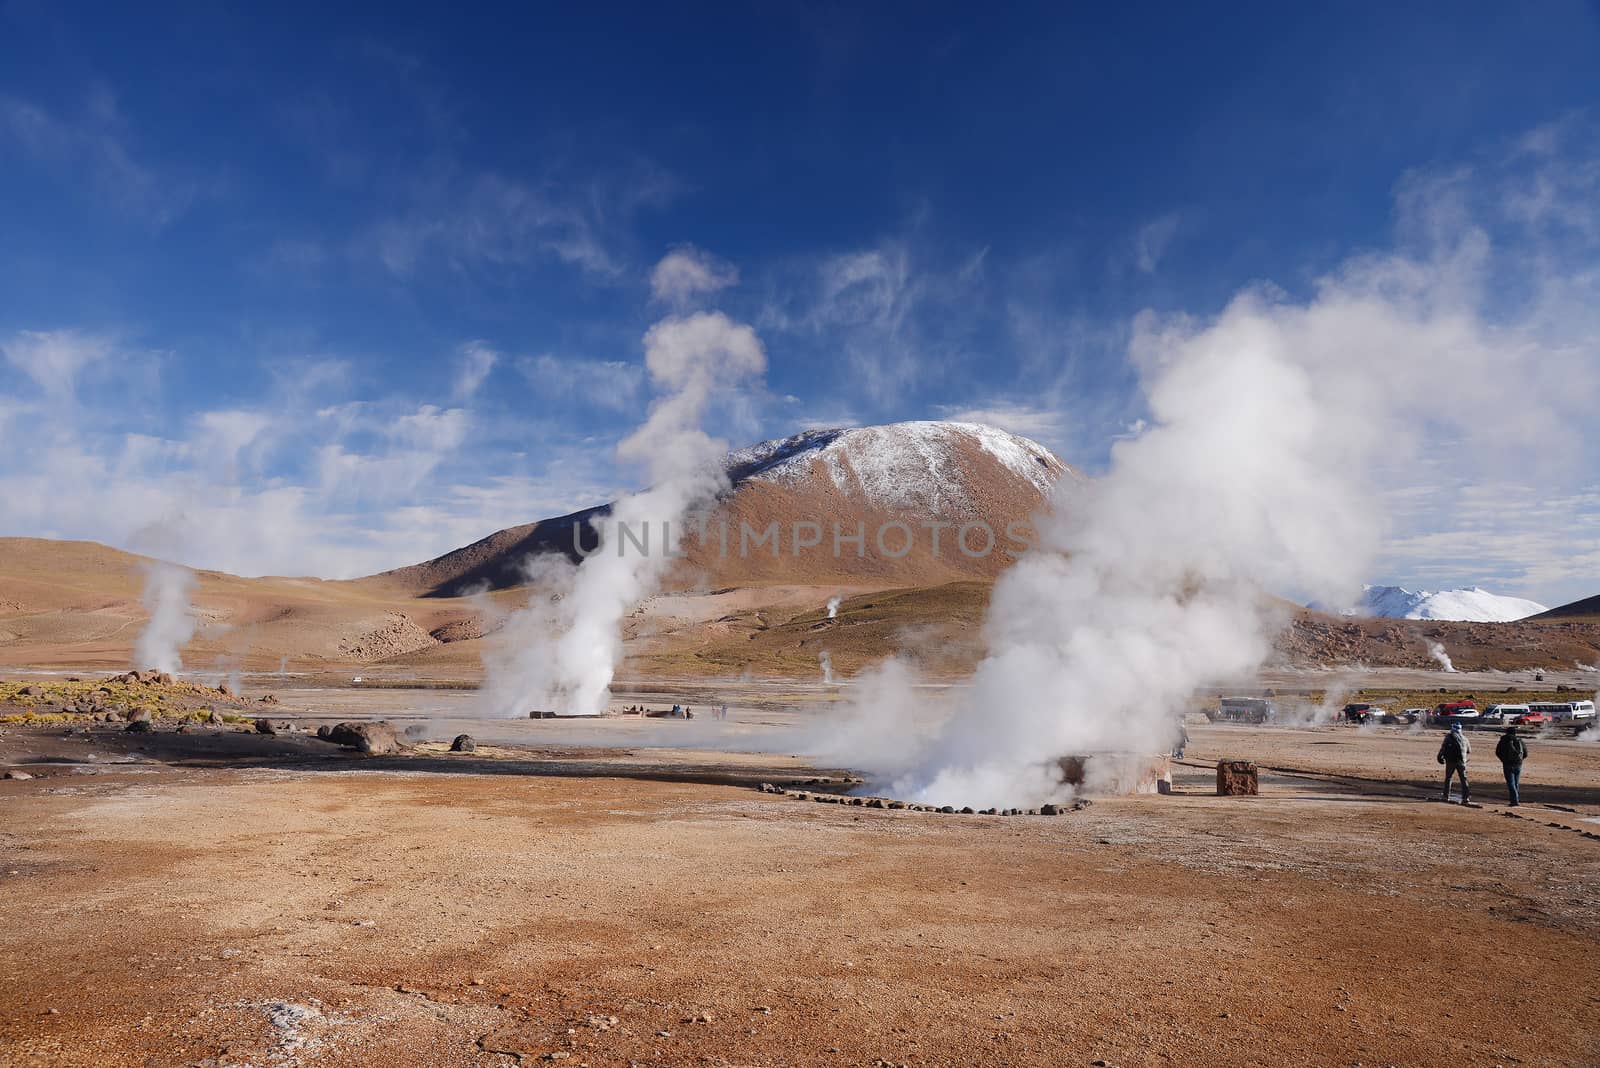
(1504,713)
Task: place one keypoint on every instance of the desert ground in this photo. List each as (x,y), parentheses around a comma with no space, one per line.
(610,892)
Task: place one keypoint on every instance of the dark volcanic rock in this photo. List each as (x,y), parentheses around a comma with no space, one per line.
(375,738)
(463,743)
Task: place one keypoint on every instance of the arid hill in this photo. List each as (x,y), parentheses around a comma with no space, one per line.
(790,497)
(77,604)
(1586,609)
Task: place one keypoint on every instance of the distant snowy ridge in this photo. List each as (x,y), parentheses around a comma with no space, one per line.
(1475,605)
(899,466)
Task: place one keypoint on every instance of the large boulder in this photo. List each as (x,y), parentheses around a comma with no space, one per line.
(377,738)
(1237,778)
(463,743)
(266,725)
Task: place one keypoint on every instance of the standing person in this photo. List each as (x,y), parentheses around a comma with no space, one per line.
(1453,753)
(1512,751)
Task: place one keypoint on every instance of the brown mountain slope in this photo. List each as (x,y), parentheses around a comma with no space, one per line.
(847,507)
(1587,609)
(77,604)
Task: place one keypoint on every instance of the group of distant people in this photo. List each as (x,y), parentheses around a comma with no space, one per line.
(1511,751)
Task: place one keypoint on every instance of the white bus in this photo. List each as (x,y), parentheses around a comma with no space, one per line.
(1565,711)
(1243,710)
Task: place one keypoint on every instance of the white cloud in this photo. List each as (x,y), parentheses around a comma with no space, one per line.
(96,147)
(469,221)
(54,358)
(476,360)
(1044,424)
(612,384)
(685,273)
(1150,244)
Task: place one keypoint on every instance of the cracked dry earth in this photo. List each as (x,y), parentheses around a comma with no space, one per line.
(180,916)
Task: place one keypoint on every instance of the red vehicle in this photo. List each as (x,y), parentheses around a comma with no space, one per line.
(1455,712)
(1533,719)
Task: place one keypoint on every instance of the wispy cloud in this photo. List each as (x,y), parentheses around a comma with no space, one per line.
(1044,424)
(96,145)
(612,384)
(53,359)
(889,318)
(474,362)
(465,221)
(1150,244)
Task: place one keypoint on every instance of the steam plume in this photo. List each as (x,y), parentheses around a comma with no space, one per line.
(825,659)
(833,607)
(166,598)
(1252,474)
(560,652)
(1436,650)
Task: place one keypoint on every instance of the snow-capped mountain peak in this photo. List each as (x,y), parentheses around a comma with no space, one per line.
(899,466)
(1474,605)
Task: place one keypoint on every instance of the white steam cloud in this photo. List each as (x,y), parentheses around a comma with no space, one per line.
(171,624)
(560,653)
(1267,430)
(833,607)
(825,660)
(1436,650)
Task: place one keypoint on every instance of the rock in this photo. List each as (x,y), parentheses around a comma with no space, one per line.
(877,802)
(33,691)
(225,690)
(1236,778)
(770,788)
(967,811)
(947,809)
(375,738)
(1049,810)
(215,718)
(323,731)
(19,775)
(163,678)
(463,743)
(184,728)
(139,715)
(140,726)
(273,726)
(1081,803)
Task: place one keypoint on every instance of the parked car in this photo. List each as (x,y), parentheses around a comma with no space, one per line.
(1455,712)
(1357,713)
(1503,713)
(1407,715)
(1533,719)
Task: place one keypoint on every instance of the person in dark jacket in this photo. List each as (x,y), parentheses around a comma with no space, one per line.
(1512,751)
(1453,753)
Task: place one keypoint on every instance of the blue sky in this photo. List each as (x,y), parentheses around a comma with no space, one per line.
(308,291)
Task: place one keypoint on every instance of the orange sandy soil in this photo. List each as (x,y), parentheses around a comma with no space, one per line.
(319,912)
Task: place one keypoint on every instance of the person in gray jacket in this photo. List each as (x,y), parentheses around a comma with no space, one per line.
(1512,751)
(1453,753)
